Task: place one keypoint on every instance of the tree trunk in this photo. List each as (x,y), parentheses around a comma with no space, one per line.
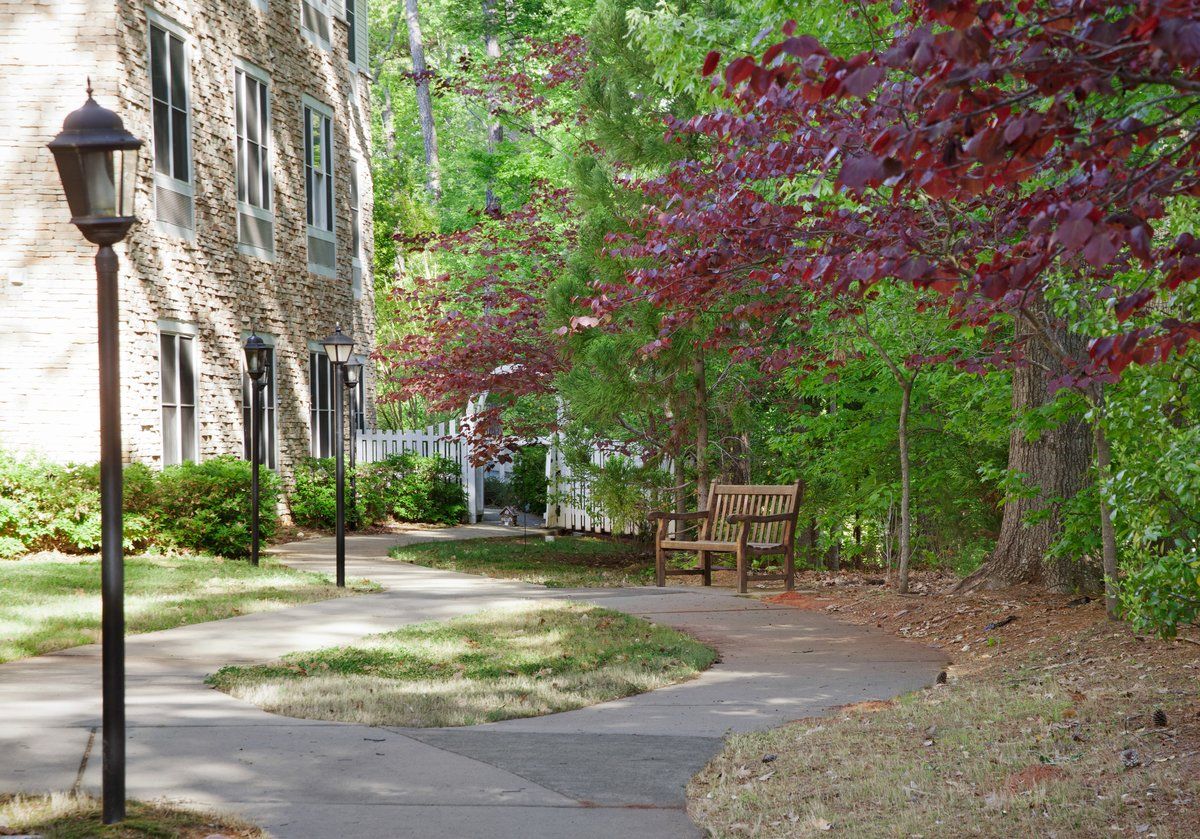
(1108,534)
(1057,464)
(905,487)
(495,133)
(416,48)
(701,395)
(387,117)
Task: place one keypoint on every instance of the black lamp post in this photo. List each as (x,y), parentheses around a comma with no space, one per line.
(256,366)
(353,375)
(97,162)
(338,348)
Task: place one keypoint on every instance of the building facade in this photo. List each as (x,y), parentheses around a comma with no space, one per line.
(254,203)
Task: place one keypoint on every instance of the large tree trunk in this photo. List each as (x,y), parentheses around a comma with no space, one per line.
(416,48)
(1057,464)
(495,133)
(701,405)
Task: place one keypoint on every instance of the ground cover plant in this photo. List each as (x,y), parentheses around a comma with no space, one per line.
(52,602)
(78,817)
(1052,721)
(565,562)
(522,661)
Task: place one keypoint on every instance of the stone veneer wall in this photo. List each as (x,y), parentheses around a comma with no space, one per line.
(206,282)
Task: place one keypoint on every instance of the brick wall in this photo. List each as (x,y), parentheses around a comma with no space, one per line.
(205,282)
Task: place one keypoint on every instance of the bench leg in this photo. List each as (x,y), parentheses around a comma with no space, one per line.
(742,570)
(706,564)
(790,569)
(660,565)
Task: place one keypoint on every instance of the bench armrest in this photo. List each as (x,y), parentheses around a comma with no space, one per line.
(660,514)
(753,519)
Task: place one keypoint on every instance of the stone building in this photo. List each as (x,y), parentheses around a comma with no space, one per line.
(255,213)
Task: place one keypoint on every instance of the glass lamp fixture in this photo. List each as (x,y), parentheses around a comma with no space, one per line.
(256,356)
(338,347)
(97,161)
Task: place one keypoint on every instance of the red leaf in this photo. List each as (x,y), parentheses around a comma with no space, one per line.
(710,63)
(739,70)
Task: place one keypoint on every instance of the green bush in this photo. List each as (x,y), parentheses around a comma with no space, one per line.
(312,501)
(426,490)
(405,487)
(206,506)
(529,479)
(203,507)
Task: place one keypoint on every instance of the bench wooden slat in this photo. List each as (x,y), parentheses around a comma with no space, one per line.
(717,535)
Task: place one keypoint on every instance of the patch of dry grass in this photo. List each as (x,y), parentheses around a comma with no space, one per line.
(1046,729)
(62,816)
(524,661)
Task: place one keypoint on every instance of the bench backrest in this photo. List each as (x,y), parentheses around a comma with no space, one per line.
(725,500)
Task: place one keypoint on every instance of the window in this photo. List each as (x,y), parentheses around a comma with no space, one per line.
(356,256)
(322,403)
(253,136)
(177,371)
(266,455)
(318,179)
(352,40)
(314,21)
(173,189)
(360,404)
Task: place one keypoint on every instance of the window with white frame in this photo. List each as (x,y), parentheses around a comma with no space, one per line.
(170,114)
(256,221)
(356,261)
(266,454)
(352,25)
(177,371)
(318,180)
(322,403)
(315,22)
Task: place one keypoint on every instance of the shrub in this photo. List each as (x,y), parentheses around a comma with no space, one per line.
(529,478)
(427,490)
(498,492)
(203,507)
(312,501)
(406,487)
(49,506)
(206,506)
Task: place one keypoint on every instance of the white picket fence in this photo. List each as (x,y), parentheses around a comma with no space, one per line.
(569,505)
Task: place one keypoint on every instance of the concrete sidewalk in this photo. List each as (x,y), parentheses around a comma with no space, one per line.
(612,769)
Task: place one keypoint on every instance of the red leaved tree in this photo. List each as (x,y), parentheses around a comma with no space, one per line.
(1020,159)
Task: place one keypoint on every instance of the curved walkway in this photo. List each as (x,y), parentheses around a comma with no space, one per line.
(612,769)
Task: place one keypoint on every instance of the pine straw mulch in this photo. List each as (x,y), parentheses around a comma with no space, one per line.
(1116,736)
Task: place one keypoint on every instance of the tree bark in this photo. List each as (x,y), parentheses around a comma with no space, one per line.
(701,403)
(387,117)
(416,48)
(1056,463)
(906,386)
(495,133)
(1108,534)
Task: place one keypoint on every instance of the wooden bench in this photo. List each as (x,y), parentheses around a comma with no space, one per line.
(747,521)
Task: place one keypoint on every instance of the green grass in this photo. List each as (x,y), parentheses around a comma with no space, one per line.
(567,562)
(52,604)
(524,661)
(70,817)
